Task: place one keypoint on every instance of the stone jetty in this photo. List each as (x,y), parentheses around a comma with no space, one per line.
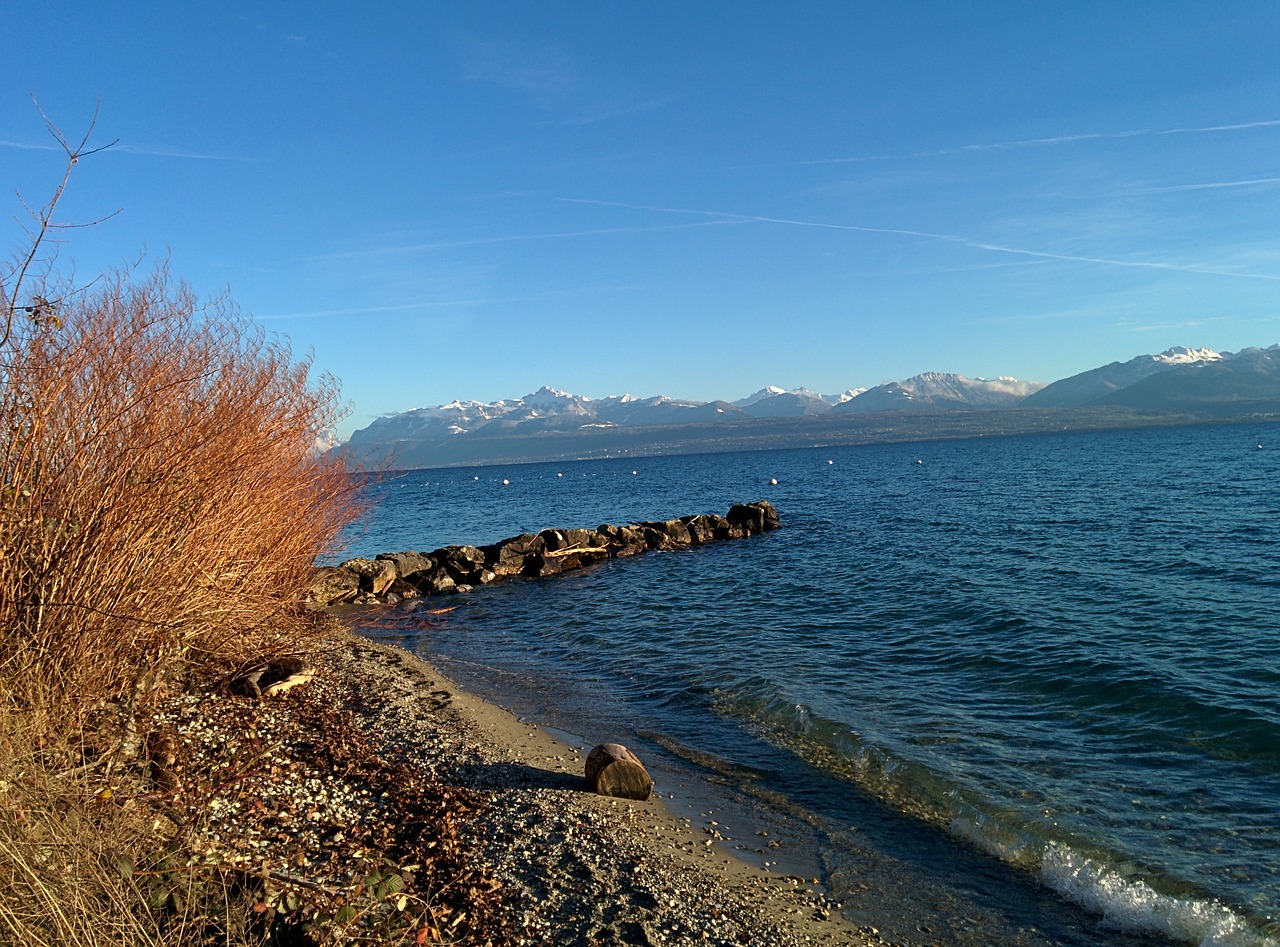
(393,577)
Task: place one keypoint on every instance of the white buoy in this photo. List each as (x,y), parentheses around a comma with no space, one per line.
(559,475)
(773,481)
(475,478)
(633,473)
(505,481)
(831,462)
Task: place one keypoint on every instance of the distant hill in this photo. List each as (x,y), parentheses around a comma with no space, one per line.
(1181,385)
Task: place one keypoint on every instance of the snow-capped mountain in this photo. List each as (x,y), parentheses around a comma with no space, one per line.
(1087,387)
(769,391)
(800,403)
(1191,382)
(941,389)
(775,402)
(1241,384)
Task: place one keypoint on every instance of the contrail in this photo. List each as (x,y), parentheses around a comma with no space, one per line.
(1210,185)
(130,150)
(505,238)
(927,235)
(1051,140)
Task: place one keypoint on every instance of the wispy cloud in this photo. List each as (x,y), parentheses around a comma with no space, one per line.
(1164,326)
(1243,126)
(29,146)
(173,153)
(1049,141)
(543,74)
(352,311)
(1210,185)
(430,246)
(425,305)
(947,238)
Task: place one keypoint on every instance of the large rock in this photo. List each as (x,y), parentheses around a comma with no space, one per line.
(464,564)
(707,527)
(553,539)
(581,538)
(509,556)
(409,564)
(375,575)
(437,583)
(757,517)
(613,770)
(673,533)
(331,585)
(623,540)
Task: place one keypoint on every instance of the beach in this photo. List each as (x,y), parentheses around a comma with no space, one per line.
(546,860)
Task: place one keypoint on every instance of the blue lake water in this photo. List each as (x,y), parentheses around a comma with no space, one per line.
(1026,688)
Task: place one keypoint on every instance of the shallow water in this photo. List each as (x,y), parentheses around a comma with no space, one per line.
(1027,685)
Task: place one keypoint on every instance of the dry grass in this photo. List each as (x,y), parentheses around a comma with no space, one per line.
(80,869)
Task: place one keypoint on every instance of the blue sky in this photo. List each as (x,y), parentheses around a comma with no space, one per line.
(471,200)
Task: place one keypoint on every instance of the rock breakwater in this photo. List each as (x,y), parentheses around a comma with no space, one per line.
(393,577)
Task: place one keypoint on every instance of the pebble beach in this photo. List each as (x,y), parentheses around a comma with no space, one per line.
(549,861)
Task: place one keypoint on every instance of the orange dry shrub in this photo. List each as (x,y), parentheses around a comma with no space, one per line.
(162,494)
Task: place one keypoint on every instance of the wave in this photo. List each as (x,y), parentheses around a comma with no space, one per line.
(1126,896)
(1133,904)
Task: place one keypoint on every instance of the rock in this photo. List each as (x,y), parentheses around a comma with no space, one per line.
(403,589)
(613,770)
(437,583)
(757,517)
(553,539)
(653,538)
(706,527)
(463,563)
(507,557)
(331,585)
(409,564)
(622,540)
(375,575)
(581,538)
(673,532)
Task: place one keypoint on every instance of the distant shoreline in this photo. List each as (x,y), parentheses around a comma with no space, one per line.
(883,427)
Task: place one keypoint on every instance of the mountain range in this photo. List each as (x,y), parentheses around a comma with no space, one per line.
(1181,385)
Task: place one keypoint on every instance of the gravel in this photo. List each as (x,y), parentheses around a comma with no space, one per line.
(380,761)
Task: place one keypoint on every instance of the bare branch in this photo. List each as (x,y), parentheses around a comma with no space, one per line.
(11,296)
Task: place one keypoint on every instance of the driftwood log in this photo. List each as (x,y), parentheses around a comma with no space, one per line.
(613,770)
(272,677)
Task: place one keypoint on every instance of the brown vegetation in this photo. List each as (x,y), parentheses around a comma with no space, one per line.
(162,501)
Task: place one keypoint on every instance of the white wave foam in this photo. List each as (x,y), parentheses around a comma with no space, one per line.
(1135,905)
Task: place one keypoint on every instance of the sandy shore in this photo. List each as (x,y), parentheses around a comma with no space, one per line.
(579,868)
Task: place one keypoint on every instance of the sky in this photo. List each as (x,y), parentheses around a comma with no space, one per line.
(442,201)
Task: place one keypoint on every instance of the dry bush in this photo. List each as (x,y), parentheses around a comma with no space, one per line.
(162,495)
(162,501)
